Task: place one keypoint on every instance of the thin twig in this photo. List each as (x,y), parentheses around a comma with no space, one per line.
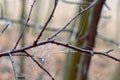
(4,29)
(25,25)
(49,19)
(109,51)
(14,67)
(12,61)
(39,65)
(107,6)
(84,10)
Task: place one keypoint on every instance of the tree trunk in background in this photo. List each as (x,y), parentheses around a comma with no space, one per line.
(77,64)
(92,31)
(22,44)
(116,74)
(5,13)
(72,59)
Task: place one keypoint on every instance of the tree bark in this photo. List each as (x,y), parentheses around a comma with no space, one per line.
(92,32)
(72,59)
(77,64)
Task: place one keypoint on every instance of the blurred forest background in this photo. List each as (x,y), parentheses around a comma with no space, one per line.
(53,57)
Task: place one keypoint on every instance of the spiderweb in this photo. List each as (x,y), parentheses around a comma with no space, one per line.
(46,51)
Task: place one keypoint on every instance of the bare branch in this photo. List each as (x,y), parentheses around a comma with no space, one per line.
(39,64)
(109,51)
(25,25)
(89,52)
(12,61)
(13,65)
(4,29)
(50,39)
(49,19)
(107,6)
(54,35)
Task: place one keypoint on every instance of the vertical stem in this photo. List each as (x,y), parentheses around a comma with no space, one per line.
(118,20)
(92,32)
(116,73)
(72,60)
(22,44)
(14,67)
